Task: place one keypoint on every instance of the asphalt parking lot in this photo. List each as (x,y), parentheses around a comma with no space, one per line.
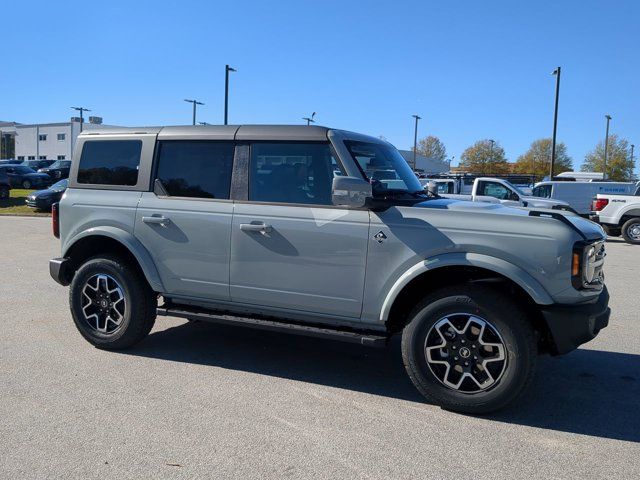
(206,401)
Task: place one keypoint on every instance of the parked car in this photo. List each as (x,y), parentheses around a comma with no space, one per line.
(57,170)
(43,199)
(619,215)
(25,177)
(485,189)
(579,195)
(250,226)
(5,185)
(37,164)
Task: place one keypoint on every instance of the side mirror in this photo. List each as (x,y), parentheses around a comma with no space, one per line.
(350,192)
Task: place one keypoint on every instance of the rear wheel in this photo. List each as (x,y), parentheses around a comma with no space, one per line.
(631,231)
(112,305)
(26,184)
(4,192)
(469,349)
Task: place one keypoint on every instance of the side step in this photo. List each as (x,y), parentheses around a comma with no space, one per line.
(370,339)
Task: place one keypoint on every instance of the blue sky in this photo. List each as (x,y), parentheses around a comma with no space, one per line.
(471,69)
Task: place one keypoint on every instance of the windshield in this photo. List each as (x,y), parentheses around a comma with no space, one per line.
(59,186)
(60,164)
(515,189)
(384,167)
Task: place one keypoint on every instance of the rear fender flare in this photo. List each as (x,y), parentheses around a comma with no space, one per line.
(132,244)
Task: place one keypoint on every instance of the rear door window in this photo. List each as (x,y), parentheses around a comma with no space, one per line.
(196,169)
(110,162)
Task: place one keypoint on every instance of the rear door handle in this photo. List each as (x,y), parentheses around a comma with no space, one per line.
(156,220)
(255,227)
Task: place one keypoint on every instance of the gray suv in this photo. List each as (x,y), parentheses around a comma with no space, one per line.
(301,229)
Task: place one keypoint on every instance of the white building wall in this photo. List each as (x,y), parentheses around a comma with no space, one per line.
(28,143)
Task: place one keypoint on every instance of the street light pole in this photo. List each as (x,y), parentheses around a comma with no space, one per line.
(310,119)
(606,148)
(227,69)
(556,72)
(194,102)
(491,153)
(415,140)
(81,110)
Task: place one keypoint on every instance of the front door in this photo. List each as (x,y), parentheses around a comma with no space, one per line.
(290,248)
(185,223)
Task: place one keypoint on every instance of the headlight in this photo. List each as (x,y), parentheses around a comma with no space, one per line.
(587,265)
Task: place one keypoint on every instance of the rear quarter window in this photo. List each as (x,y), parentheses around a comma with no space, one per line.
(110,162)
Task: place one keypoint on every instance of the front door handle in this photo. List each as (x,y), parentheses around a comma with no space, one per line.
(156,220)
(255,227)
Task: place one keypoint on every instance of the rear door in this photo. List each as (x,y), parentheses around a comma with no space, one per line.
(185,222)
(291,249)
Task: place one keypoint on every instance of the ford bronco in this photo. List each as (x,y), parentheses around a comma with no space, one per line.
(290,228)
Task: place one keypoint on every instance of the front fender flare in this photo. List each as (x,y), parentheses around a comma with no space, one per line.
(487,262)
(131,243)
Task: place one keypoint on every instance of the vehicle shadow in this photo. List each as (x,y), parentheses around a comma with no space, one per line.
(589,392)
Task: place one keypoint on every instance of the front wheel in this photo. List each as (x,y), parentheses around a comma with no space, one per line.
(26,185)
(112,305)
(469,349)
(631,231)
(4,193)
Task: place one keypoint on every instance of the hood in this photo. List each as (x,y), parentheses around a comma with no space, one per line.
(588,230)
(465,206)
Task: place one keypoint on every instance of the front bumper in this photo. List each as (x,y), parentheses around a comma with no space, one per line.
(572,325)
(59,270)
(39,203)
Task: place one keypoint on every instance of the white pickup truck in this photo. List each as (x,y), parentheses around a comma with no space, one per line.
(619,215)
(494,190)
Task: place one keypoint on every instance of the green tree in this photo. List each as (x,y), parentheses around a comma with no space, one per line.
(619,163)
(432,148)
(537,159)
(484,157)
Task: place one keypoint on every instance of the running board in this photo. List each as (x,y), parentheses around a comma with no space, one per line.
(370,339)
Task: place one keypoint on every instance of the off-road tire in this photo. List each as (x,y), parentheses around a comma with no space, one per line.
(627,229)
(508,319)
(141,303)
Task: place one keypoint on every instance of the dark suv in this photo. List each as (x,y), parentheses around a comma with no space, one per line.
(57,170)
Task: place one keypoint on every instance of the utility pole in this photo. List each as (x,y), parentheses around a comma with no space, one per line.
(310,119)
(227,69)
(415,140)
(81,110)
(1,143)
(606,148)
(194,102)
(556,72)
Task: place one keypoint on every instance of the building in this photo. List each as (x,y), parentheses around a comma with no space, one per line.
(7,139)
(51,141)
(424,164)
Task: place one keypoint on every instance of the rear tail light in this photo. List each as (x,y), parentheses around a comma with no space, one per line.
(599,204)
(55,219)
